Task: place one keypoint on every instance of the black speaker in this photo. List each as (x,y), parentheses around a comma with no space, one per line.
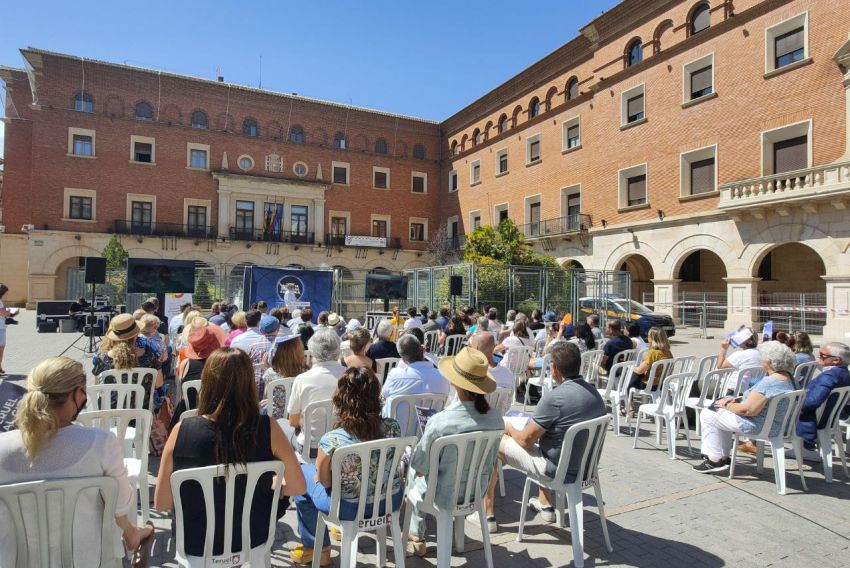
(95,270)
(456,285)
(49,326)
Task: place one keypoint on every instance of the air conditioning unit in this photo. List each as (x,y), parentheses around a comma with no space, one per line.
(28,227)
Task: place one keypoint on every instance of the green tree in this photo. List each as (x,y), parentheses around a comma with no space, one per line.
(201,296)
(115,254)
(504,244)
(116,275)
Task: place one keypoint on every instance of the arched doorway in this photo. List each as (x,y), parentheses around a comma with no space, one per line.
(641,274)
(791,278)
(702,289)
(572,265)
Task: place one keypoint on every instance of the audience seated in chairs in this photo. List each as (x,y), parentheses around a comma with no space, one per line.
(616,342)
(47,445)
(416,376)
(286,359)
(319,382)
(454,327)
(385,347)
(659,350)
(537,447)
(358,343)
(748,414)
(357,400)
(227,430)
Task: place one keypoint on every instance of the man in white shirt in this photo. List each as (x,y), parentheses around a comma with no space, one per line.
(319,383)
(289,297)
(413,319)
(417,376)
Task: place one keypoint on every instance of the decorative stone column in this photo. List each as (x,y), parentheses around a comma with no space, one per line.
(741,300)
(838,308)
(666,295)
(223,212)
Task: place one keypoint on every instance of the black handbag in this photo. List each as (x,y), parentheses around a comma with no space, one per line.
(11,321)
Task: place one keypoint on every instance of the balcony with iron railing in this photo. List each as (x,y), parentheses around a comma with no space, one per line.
(124,227)
(336,240)
(261,235)
(558,226)
(829,182)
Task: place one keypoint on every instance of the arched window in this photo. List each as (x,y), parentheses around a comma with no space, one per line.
(419,151)
(344,272)
(340,141)
(83,102)
(250,128)
(381,146)
(476,137)
(659,32)
(634,53)
(199,120)
(454,148)
(503,124)
(534,108)
(572,89)
(296,135)
(700,18)
(144,111)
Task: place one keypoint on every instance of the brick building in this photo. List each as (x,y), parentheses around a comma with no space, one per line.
(702,146)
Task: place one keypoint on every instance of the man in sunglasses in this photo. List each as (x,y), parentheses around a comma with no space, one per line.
(834,357)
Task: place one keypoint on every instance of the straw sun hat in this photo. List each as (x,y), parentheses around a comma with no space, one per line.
(468,370)
(123,327)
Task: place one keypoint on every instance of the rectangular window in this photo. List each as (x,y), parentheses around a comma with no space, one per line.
(534,151)
(790,155)
(476,221)
(83,145)
(339,227)
(340,173)
(534,218)
(379,228)
(298,215)
(636,190)
(573,139)
(142,216)
(80,208)
(453,180)
(573,205)
(502,158)
(702,176)
(475,172)
(196,219)
(198,159)
(789,47)
(143,152)
(418,183)
(380,180)
(701,82)
(634,109)
(245,219)
(503,215)
(417,231)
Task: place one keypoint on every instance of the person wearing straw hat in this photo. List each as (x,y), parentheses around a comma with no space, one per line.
(469,373)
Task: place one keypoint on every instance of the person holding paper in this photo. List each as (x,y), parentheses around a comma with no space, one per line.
(537,447)
(468,373)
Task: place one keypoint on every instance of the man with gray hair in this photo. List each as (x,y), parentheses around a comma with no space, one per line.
(416,376)
(383,348)
(319,383)
(834,357)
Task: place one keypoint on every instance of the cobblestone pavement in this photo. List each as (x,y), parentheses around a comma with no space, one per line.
(660,512)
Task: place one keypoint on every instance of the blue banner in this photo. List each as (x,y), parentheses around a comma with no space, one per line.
(289,287)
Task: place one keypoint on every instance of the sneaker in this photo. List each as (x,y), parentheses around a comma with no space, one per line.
(492,525)
(546,513)
(708,466)
(304,556)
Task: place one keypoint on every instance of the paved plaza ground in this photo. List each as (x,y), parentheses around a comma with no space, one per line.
(660,512)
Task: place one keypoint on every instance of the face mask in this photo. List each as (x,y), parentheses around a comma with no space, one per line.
(79,409)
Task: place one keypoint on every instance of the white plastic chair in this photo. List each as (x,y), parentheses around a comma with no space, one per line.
(375,488)
(616,389)
(284,383)
(135,444)
(316,420)
(625,355)
(188,413)
(500,400)
(590,361)
(705,366)
(432,341)
(830,432)
(593,432)
(747,377)
(544,379)
(683,365)
(137,376)
(385,365)
(670,408)
(188,386)
(36,507)
(804,373)
(453,344)
(651,392)
(206,478)
(516,360)
(794,401)
(476,452)
(713,387)
(403,410)
(114,396)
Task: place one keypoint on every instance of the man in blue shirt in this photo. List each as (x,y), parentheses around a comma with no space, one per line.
(443,320)
(617,342)
(834,357)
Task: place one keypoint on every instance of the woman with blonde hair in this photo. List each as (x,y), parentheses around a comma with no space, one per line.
(286,359)
(150,329)
(659,350)
(48,445)
(240,326)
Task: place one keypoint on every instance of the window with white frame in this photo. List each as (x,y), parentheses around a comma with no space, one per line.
(196,216)
(452,181)
(197,156)
(571,205)
(380,178)
(500,212)
(245,162)
(633,186)
(787,148)
(572,134)
(452,227)
(787,43)
(341,173)
(475,219)
(698,171)
(532,149)
(633,106)
(418,229)
(419,182)
(475,172)
(81,142)
(502,162)
(79,204)
(532,216)
(698,79)
(381,226)
(142,150)
(141,212)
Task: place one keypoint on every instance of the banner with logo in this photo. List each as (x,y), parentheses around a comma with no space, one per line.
(173,303)
(307,288)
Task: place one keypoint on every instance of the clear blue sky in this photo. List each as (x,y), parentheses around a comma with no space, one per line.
(425,58)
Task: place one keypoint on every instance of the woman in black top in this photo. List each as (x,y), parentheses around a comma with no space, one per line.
(227,430)
(202,342)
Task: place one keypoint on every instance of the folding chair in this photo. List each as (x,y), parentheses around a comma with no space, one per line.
(669,408)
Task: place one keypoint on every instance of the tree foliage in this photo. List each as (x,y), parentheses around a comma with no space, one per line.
(115,254)
(504,244)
